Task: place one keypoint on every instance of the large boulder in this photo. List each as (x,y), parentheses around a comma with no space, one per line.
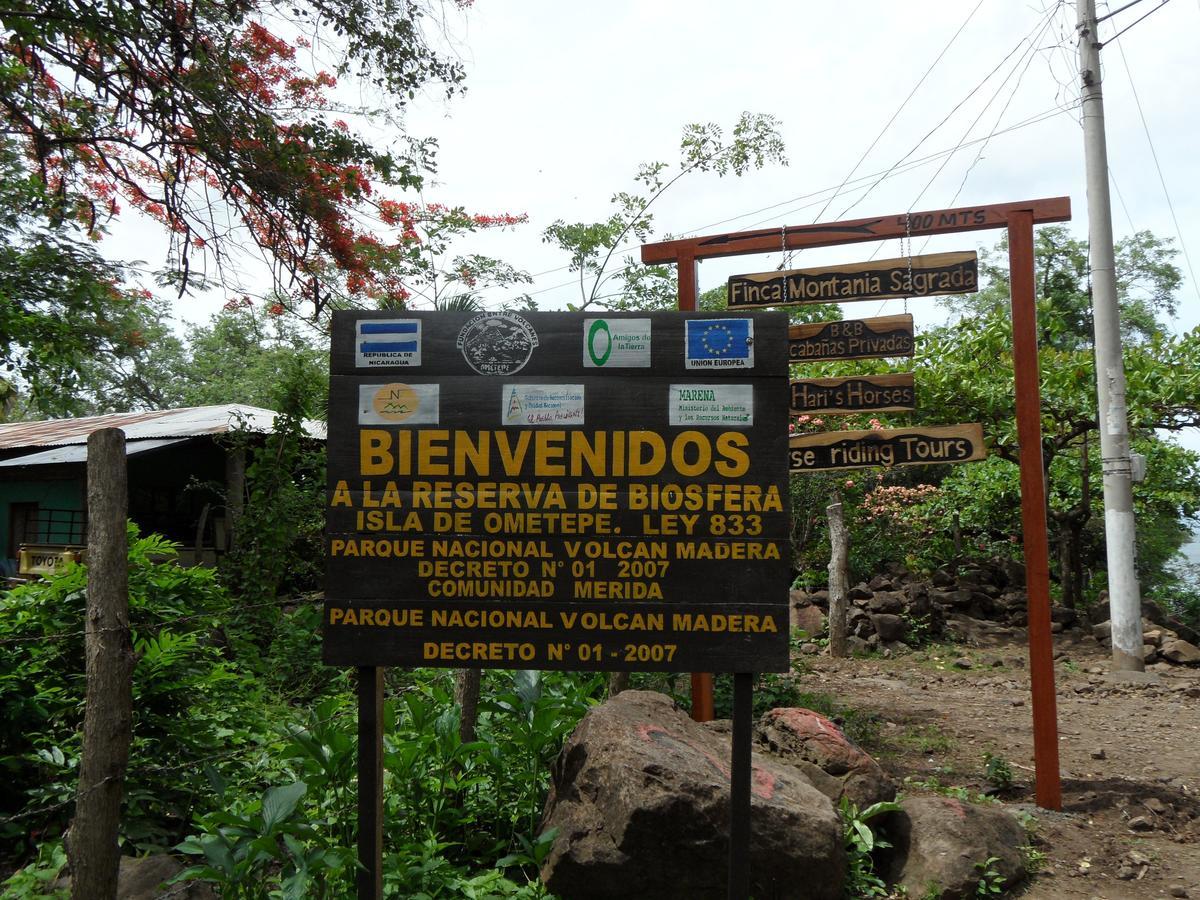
(939,846)
(830,760)
(809,619)
(145,877)
(889,627)
(640,801)
(1180,651)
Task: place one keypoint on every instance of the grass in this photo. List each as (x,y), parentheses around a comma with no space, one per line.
(927,739)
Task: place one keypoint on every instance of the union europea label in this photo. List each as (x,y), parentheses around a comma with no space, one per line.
(719,344)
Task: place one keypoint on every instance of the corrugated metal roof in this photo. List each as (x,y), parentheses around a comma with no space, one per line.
(77,453)
(165,423)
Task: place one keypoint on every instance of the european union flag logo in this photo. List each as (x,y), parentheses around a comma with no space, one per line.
(720,344)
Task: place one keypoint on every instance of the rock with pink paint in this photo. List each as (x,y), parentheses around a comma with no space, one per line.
(640,801)
(833,763)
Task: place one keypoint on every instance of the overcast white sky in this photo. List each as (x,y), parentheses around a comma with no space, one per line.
(565,99)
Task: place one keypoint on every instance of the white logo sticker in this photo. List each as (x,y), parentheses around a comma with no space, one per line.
(542,404)
(616,343)
(715,405)
(398,404)
(497,343)
(387,342)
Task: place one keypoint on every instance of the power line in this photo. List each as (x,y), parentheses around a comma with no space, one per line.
(1028,57)
(899,110)
(1134,22)
(1035,30)
(891,172)
(1154,155)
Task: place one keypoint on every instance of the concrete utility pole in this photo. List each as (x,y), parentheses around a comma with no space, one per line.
(1124,595)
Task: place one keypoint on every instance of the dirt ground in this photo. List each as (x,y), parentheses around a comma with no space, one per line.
(1130,755)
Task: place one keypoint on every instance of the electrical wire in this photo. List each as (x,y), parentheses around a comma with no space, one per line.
(1035,119)
(1036,30)
(1031,55)
(899,110)
(1154,155)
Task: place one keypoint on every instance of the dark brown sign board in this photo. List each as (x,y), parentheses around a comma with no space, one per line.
(558,491)
(927,446)
(916,276)
(875,338)
(853,394)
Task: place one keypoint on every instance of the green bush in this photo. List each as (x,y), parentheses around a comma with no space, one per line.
(189,702)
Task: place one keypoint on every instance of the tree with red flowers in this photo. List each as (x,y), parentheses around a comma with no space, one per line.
(200,113)
(221,121)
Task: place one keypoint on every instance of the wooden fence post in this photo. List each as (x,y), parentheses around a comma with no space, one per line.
(839,578)
(108,709)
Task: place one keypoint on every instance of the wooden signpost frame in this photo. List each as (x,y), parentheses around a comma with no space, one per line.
(1018,218)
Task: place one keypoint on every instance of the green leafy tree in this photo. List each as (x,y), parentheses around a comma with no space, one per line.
(65,310)
(244,353)
(752,143)
(964,373)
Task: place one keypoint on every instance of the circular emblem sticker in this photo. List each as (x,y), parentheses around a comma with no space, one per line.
(497,343)
(395,402)
(599,342)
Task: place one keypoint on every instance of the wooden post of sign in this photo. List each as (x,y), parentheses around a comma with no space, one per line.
(370,782)
(1048,789)
(739,786)
(92,846)
(839,579)
(689,293)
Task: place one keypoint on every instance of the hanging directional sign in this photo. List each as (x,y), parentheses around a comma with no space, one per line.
(859,393)
(933,445)
(875,338)
(916,276)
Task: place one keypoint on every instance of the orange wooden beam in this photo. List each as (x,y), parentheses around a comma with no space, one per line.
(852,231)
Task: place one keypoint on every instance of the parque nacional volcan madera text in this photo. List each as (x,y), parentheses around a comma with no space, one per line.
(558,490)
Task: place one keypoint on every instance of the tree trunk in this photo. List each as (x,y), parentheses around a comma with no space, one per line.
(466,698)
(235,490)
(108,709)
(839,578)
(617,682)
(956,531)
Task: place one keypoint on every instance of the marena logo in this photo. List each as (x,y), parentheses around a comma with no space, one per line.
(396,402)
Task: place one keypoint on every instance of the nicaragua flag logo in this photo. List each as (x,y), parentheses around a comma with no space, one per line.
(387,342)
(720,344)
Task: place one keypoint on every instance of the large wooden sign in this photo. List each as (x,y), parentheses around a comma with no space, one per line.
(558,491)
(927,446)
(917,276)
(875,338)
(852,394)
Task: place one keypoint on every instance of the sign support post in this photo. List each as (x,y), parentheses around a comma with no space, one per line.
(689,293)
(1033,509)
(739,786)
(1018,218)
(370,782)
